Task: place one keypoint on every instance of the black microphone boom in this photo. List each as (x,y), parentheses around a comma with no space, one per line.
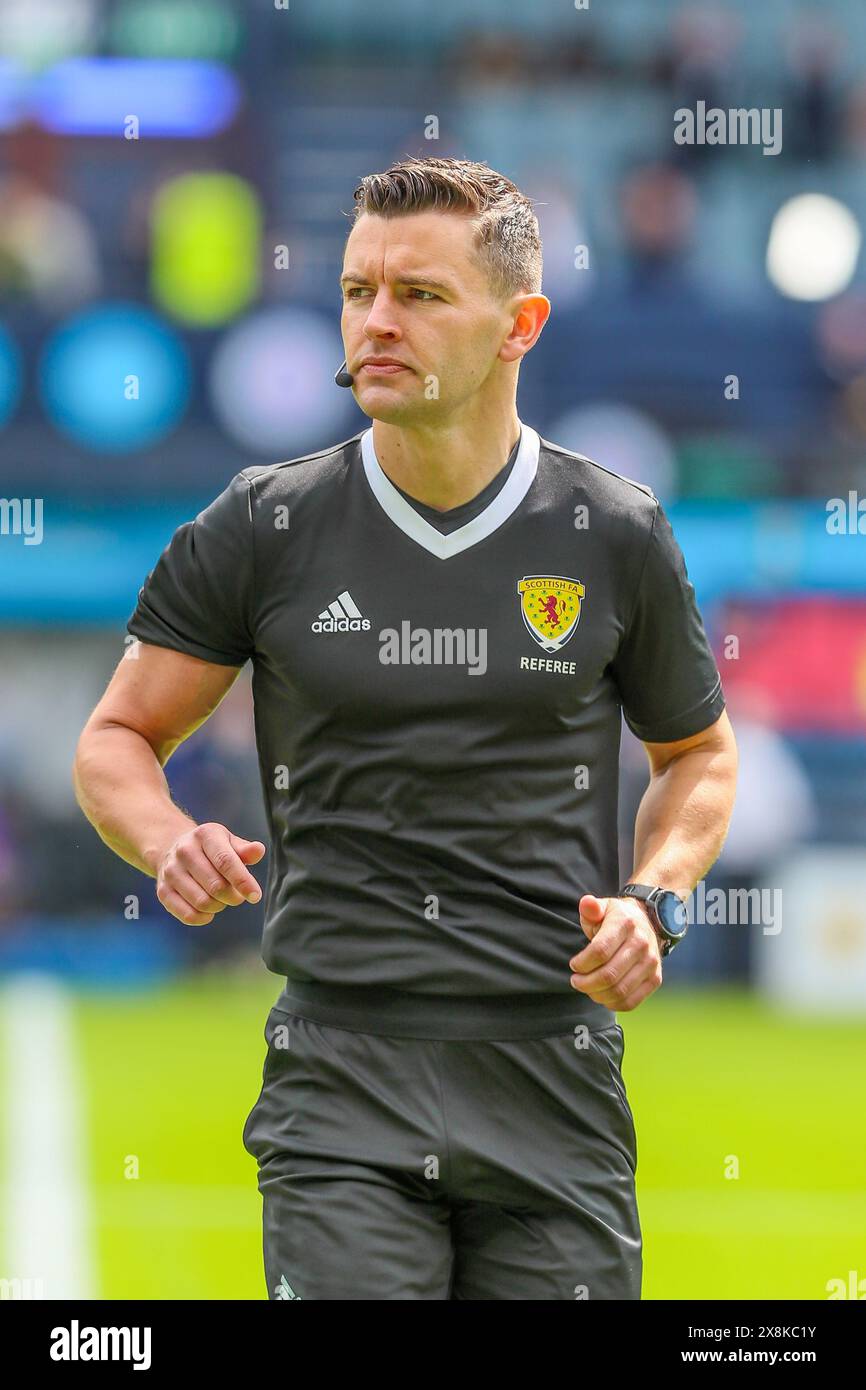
(344,376)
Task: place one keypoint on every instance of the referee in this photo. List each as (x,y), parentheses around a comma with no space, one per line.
(447,617)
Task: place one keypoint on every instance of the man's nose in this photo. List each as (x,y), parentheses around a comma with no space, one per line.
(382,319)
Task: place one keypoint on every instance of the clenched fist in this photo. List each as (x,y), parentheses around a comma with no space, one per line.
(622,963)
(204,870)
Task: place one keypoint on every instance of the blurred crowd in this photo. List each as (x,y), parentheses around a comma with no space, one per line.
(656,263)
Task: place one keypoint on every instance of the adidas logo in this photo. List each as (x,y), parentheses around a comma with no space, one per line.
(343,615)
(284,1289)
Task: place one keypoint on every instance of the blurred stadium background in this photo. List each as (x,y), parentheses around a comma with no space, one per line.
(174,182)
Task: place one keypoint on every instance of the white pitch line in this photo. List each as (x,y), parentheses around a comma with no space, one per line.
(47,1211)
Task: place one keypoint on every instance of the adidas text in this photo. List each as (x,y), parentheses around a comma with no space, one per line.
(341,625)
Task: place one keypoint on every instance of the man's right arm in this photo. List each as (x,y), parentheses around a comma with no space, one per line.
(156,698)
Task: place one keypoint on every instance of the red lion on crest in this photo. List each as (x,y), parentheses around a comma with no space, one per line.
(548,608)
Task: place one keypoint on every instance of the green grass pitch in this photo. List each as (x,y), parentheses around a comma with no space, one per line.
(168,1079)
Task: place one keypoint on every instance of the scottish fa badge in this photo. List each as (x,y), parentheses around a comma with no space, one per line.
(550,606)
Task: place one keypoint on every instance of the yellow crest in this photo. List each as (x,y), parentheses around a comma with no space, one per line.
(550,606)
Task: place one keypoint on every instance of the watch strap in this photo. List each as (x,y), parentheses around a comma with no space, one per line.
(646,893)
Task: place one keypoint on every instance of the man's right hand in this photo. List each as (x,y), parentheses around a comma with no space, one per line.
(204,870)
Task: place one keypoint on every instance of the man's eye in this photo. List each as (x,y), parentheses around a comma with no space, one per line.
(356,291)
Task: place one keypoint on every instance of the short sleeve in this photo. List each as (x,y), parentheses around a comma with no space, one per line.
(664,669)
(197,597)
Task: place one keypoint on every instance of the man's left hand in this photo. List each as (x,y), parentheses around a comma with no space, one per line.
(622,963)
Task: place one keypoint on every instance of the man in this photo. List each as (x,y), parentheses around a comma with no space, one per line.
(446,616)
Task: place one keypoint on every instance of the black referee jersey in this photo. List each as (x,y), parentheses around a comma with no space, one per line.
(438,709)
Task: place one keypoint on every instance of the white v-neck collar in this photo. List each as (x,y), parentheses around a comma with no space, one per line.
(417,528)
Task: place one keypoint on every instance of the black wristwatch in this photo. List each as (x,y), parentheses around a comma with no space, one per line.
(666,911)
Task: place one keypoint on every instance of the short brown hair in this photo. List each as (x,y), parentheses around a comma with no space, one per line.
(506,229)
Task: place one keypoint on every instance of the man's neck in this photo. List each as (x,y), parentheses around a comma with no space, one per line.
(445,467)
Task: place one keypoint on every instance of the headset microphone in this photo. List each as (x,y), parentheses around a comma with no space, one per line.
(344,376)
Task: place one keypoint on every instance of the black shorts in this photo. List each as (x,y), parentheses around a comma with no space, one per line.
(402,1167)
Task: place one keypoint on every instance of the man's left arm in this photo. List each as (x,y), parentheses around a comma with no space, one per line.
(681,825)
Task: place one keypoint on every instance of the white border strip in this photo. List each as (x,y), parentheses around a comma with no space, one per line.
(47,1215)
(417,528)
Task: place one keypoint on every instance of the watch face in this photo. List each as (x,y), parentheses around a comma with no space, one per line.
(672,913)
